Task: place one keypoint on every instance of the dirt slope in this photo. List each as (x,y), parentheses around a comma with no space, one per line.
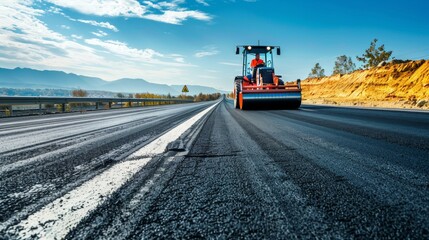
(403,85)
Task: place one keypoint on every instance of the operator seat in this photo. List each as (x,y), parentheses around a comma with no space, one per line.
(267,75)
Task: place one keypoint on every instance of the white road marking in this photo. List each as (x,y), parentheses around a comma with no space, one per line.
(55,220)
(307,110)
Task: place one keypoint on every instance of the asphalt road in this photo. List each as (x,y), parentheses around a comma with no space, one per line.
(317,172)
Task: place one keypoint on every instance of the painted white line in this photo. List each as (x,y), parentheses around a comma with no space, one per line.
(55,220)
(307,110)
(160,144)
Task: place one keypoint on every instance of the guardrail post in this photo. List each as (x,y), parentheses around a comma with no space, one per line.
(40,109)
(110,105)
(11,110)
(130,104)
(97,105)
(63,107)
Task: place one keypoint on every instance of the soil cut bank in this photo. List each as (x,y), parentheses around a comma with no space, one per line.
(396,85)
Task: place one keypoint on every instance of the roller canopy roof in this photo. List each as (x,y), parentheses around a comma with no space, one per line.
(258,49)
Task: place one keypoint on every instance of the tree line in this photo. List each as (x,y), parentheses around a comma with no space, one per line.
(372,57)
(196,98)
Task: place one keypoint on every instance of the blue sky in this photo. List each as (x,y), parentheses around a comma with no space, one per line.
(193,41)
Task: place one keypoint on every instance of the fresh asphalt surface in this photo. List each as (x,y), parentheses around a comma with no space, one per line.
(317,172)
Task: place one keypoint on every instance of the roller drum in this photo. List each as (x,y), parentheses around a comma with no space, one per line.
(288,100)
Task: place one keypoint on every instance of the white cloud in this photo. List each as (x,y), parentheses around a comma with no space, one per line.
(28,42)
(90,22)
(167,12)
(203,2)
(205,54)
(231,64)
(144,56)
(99,24)
(55,10)
(99,33)
(152,5)
(65,27)
(127,8)
(122,49)
(177,17)
(179,59)
(171,5)
(208,51)
(76,36)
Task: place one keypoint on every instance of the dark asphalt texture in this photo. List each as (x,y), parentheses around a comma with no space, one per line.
(319,172)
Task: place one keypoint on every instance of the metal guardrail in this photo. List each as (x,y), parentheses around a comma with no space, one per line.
(63,101)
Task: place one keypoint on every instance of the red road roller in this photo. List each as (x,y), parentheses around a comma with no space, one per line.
(259,87)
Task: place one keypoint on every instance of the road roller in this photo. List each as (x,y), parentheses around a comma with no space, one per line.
(259,87)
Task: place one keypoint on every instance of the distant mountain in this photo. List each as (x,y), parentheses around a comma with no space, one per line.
(36,79)
(30,78)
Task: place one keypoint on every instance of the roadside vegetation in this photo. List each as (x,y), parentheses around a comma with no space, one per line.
(206,97)
(343,65)
(5,110)
(317,71)
(372,57)
(78,93)
(379,81)
(196,98)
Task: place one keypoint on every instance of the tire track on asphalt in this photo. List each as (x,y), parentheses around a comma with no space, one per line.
(63,140)
(226,187)
(348,208)
(56,219)
(121,213)
(61,171)
(84,119)
(403,139)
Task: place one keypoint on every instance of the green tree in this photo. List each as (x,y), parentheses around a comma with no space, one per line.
(120,95)
(344,65)
(374,55)
(317,71)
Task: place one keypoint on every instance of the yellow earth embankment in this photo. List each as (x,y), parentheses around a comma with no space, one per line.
(397,85)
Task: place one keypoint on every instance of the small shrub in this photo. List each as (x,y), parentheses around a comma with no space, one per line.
(59,107)
(79,93)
